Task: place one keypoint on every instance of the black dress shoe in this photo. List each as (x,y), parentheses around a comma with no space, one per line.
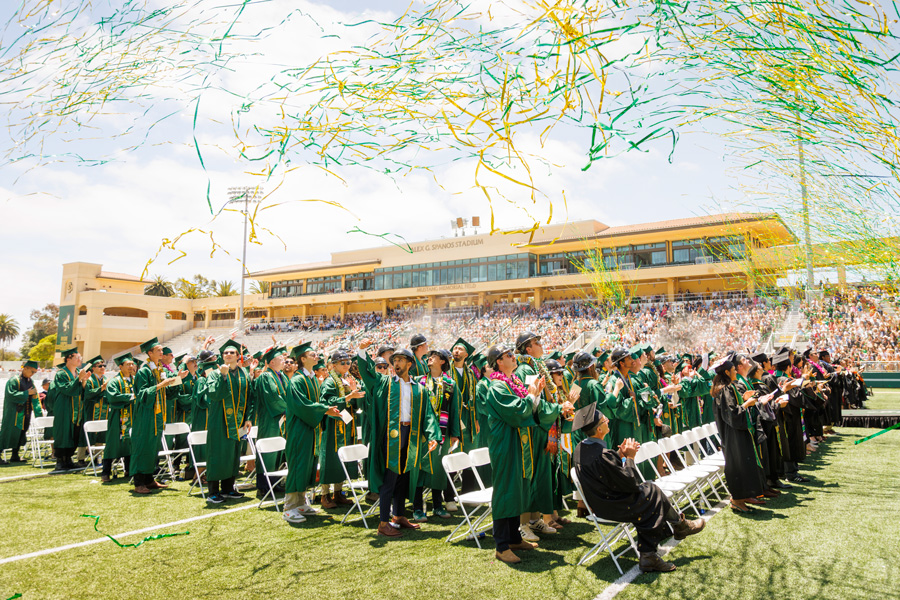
(798,479)
(780,485)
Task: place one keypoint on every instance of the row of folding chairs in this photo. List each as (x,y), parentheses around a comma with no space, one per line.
(703,469)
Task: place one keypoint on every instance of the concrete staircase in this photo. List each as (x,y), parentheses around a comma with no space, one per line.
(789,333)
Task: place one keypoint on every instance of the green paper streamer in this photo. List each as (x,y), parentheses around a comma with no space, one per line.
(149,538)
(897,425)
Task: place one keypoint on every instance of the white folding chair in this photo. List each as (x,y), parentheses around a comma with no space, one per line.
(36,432)
(172,429)
(693,476)
(95,452)
(706,471)
(267,446)
(619,531)
(694,438)
(349,454)
(480,498)
(194,439)
(648,453)
(251,456)
(711,432)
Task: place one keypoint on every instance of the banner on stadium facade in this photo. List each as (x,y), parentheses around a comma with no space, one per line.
(65,331)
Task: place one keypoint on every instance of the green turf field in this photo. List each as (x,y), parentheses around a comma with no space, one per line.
(833,538)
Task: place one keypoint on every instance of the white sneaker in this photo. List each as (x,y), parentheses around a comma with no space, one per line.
(306,509)
(540,526)
(293,516)
(527,534)
(451,507)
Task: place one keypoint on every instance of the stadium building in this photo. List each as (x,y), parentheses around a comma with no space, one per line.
(107,313)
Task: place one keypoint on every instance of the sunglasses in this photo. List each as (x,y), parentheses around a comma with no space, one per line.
(381,366)
(345,363)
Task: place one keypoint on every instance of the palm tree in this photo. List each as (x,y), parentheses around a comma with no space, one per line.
(191,291)
(260,287)
(160,286)
(9,329)
(225,288)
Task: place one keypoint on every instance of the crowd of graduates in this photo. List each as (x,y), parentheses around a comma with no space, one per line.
(413,405)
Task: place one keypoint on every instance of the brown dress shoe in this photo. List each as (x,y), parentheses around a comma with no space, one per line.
(105,479)
(328,501)
(157,485)
(341,499)
(523,545)
(404,523)
(684,528)
(755,501)
(386,530)
(507,556)
(651,562)
(142,489)
(770,494)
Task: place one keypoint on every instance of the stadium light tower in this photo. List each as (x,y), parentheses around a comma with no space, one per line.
(245,195)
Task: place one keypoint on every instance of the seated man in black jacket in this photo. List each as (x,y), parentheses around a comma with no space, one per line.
(614,491)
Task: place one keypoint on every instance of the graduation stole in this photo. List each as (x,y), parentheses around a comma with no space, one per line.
(314,396)
(630,388)
(465,383)
(100,408)
(343,391)
(124,412)
(737,396)
(552,446)
(76,406)
(234,411)
(19,422)
(188,383)
(514,385)
(416,416)
(159,401)
(441,389)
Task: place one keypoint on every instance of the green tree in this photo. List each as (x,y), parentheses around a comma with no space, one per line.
(44,322)
(225,288)
(160,286)
(43,351)
(9,329)
(260,287)
(189,290)
(8,355)
(207,286)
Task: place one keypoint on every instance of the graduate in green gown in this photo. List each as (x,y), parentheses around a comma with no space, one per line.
(304,413)
(405,430)
(271,390)
(513,412)
(626,414)
(483,435)
(17,407)
(230,405)
(444,397)
(148,418)
(465,381)
(66,397)
(95,408)
(560,458)
(120,402)
(342,391)
(208,364)
(418,345)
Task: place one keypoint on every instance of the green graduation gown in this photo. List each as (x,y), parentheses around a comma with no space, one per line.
(335,433)
(148,420)
(541,489)
(272,388)
(625,411)
(303,415)
(691,390)
(120,400)
(68,404)
(384,451)
(229,406)
(15,404)
(95,408)
(465,383)
(511,421)
(200,414)
(444,397)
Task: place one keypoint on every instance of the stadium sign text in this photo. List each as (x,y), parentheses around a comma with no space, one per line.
(448,244)
(444,288)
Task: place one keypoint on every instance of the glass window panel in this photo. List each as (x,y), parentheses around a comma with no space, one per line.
(492,272)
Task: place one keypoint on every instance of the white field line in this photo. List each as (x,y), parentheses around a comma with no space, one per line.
(122,535)
(622,582)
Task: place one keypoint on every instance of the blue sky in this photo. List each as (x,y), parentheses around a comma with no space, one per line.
(118,213)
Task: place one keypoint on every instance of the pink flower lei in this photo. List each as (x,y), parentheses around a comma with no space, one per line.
(513,382)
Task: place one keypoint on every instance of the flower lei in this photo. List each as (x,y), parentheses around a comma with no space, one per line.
(513,382)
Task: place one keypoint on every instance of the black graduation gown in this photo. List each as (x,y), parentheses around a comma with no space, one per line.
(772,426)
(615,491)
(794,450)
(743,468)
(835,396)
